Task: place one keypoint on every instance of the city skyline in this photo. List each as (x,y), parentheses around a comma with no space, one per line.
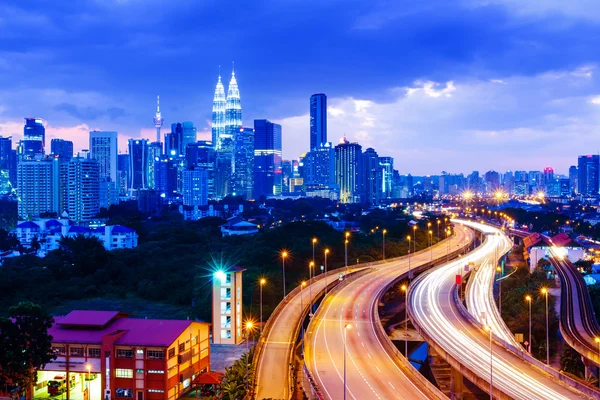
(481,79)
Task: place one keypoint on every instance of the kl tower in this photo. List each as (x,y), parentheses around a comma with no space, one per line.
(158,120)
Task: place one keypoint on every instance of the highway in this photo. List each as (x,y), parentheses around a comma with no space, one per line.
(372,373)
(577,318)
(479,296)
(433,309)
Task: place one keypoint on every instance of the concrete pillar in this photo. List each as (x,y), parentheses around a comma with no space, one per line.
(456,385)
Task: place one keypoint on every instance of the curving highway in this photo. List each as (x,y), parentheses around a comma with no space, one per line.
(372,373)
(433,309)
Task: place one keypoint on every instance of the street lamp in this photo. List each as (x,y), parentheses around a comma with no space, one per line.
(326,252)
(314,242)
(489,329)
(284,254)
(262,283)
(499,270)
(310,267)
(346,250)
(431,245)
(438,230)
(346,327)
(249,328)
(528,299)
(302,284)
(448,247)
(404,288)
(415,237)
(545,293)
(383,232)
(408,238)
(89,370)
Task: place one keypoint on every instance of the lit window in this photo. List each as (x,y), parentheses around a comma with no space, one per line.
(124,373)
(155,371)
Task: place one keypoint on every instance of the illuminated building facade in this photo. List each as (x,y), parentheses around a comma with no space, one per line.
(227,306)
(268,177)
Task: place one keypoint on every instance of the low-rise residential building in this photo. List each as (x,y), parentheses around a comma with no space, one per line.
(105,355)
(49,232)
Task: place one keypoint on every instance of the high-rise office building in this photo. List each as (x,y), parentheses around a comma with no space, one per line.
(243,173)
(372,177)
(34,137)
(104,149)
(154,154)
(548,176)
(7,166)
(492,181)
(195,187)
(202,154)
(348,157)
(63,149)
(267,158)
(386,164)
(38,187)
(188,135)
(165,172)
(174,140)
(588,168)
(218,114)
(83,182)
(521,176)
(233,110)
(123,174)
(319,165)
(318,120)
(138,163)
(573,178)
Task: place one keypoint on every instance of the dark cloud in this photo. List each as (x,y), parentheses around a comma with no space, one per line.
(90,113)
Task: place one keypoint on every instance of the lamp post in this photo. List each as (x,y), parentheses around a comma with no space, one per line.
(262,283)
(249,327)
(314,242)
(438,230)
(415,237)
(499,270)
(528,299)
(284,254)
(310,267)
(346,327)
(405,290)
(383,232)
(326,252)
(346,250)
(89,382)
(448,247)
(302,310)
(489,329)
(545,293)
(431,245)
(408,238)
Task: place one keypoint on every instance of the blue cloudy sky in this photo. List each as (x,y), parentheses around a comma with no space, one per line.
(450,85)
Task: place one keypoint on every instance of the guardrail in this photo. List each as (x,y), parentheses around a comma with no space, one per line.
(259,346)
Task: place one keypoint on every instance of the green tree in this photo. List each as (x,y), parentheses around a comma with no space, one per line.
(25,345)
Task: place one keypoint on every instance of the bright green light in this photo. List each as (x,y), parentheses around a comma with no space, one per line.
(220,275)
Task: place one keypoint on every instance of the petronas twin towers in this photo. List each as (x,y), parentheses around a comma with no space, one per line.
(226,125)
(226,115)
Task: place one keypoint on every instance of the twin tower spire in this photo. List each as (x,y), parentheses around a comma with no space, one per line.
(226,114)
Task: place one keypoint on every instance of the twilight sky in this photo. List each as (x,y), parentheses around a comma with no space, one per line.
(439,85)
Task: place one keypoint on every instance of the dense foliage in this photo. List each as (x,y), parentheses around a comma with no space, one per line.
(25,346)
(175,260)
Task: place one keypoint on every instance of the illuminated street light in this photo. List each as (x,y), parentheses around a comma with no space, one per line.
(249,328)
(310,268)
(346,250)
(545,293)
(383,232)
(528,299)
(408,238)
(263,281)
(404,288)
(284,254)
(326,252)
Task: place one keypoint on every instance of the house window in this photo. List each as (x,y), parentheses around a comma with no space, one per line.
(122,353)
(59,351)
(182,347)
(155,371)
(93,352)
(172,352)
(76,351)
(123,373)
(155,391)
(124,392)
(157,354)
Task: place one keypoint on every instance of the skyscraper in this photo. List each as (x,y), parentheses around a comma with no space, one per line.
(319,165)
(195,187)
(386,165)
(202,154)
(154,154)
(372,174)
(34,137)
(62,148)
(123,174)
(233,111)
(588,168)
(218,114)
(38,187)
(83,183)
(573,177)
(138,163)
(104,149)
(318,120)
(7,181)
(267,158)
(347,170)
(158,119)
(243,174)
(188,135)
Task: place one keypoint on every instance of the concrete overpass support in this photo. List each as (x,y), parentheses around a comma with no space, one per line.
(457,385)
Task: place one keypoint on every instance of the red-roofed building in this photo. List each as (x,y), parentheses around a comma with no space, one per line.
(124,358)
